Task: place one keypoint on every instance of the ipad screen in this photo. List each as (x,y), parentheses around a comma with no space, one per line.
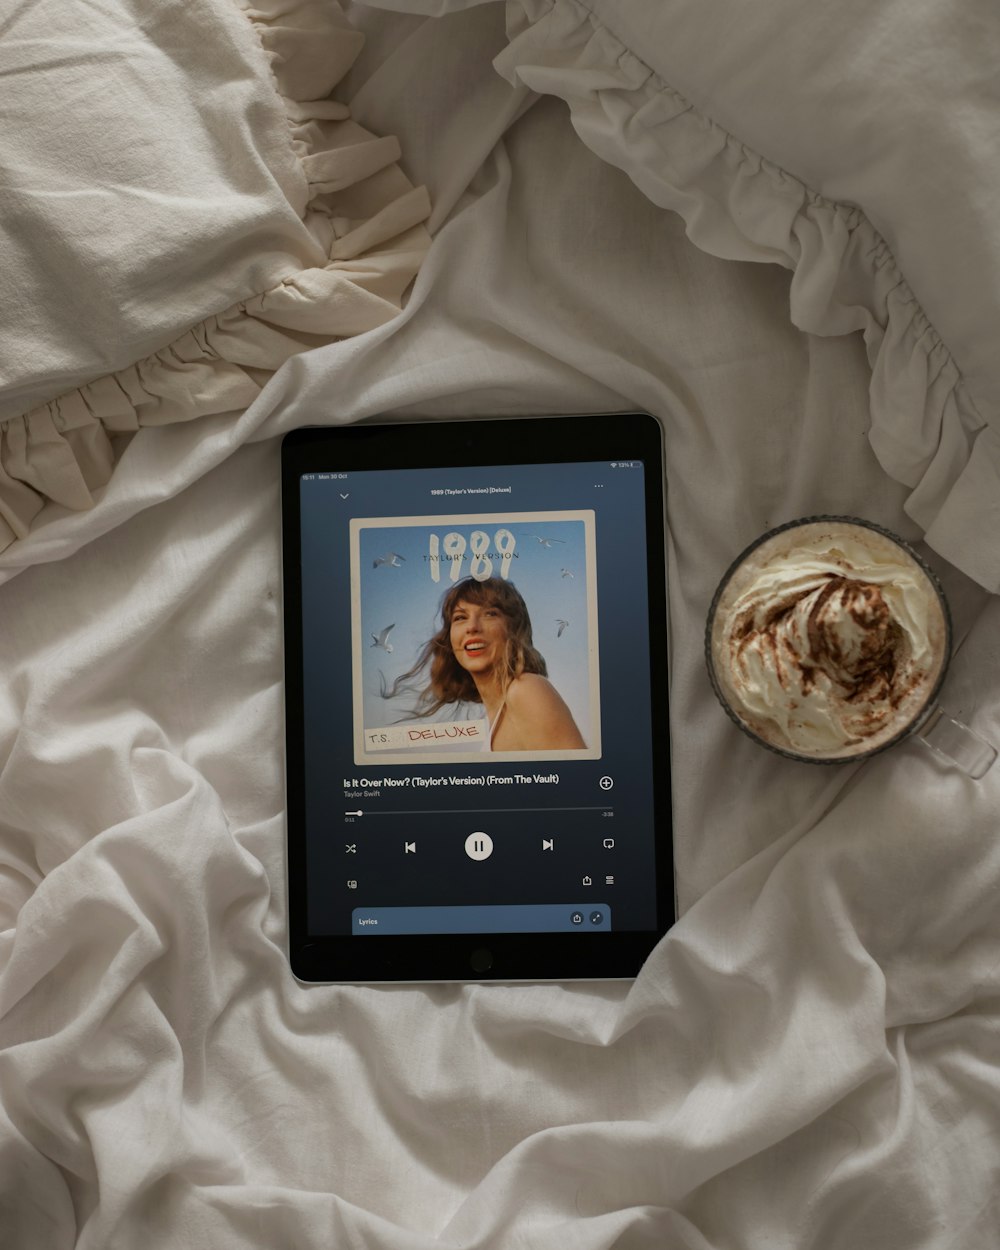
(477,714)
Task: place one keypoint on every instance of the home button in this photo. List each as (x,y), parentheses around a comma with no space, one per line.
(481,960)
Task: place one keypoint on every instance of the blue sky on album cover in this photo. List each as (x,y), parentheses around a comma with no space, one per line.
(547,565)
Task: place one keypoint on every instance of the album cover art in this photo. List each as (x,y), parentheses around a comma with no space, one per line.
(475,638)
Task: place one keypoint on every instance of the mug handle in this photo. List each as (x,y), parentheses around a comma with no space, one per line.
(957,743)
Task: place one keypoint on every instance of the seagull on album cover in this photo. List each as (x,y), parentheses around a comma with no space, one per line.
(382,639)
(391,559)
(562,625)
(547,542)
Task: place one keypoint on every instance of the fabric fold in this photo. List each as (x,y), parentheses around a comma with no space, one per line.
(358,206)
(926,428)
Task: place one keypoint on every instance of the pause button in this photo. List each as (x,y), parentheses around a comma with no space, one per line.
(479,846)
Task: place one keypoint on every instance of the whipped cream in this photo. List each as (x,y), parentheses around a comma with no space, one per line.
(829,639)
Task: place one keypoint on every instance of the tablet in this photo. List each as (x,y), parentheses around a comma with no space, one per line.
(477,753)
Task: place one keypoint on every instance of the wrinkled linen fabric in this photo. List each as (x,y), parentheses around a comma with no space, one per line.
(187,208)
(807,1060)
(857,146)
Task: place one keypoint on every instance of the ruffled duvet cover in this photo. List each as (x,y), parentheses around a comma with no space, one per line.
(210,211)
(772,226)
(850,146)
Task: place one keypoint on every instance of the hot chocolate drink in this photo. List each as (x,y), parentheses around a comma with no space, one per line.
(828,639)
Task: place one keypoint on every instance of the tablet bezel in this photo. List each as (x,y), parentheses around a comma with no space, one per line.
(504,957)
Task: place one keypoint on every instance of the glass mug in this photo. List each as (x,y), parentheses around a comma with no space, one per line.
(771,598)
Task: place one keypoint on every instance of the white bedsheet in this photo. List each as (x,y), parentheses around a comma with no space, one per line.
(808,1059)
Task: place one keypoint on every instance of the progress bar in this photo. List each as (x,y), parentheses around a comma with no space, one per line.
(468,811)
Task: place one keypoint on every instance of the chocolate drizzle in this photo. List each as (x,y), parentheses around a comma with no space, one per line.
(868,669)
(841,630)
